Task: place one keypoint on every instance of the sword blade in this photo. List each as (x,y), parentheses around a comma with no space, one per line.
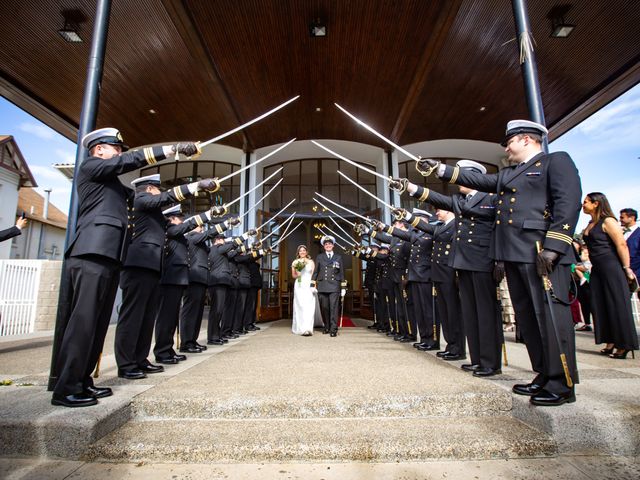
(290,219)
(343,230)
(343,208)
(366,191)
(250,122)
(249,191)
(377,134)
(326,235)
(274,216)
(336,214)
(339,236)
(251,165)
(262,198)
(351,162)
(285,236)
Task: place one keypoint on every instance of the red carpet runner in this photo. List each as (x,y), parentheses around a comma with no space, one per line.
(346,322)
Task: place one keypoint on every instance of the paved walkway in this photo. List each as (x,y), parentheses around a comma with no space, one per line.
(609,394)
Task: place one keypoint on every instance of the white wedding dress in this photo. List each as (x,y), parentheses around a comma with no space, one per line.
(304,302)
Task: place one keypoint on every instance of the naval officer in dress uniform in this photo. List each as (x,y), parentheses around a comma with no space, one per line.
(94,256)
(470,256)
(328,279)
(539,199)
(141,272)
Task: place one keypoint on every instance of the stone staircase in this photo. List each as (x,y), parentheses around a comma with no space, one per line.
(359,397)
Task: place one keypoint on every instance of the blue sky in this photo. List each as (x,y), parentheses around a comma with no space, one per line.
(605,148)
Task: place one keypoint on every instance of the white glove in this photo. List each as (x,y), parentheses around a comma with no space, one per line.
(314,290)
(343,292)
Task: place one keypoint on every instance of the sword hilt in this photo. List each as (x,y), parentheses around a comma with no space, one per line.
(565,367)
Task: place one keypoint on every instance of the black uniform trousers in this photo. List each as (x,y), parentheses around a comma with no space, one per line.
(134,330)
(229,311)
(250,308)
(217,303)
(449,312)
(330,309)
(191,314)
(241,303)
(167,320)
(94,283)
(533,317)
(421,301)
(482,320)
(398,310)
(388,309)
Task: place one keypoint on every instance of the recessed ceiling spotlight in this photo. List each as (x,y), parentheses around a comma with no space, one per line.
(152,111)
(482,109)
(318,109)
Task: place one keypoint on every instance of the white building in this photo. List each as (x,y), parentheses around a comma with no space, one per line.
(14,174)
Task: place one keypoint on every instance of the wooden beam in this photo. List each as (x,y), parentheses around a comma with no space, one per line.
(446,16)
(188,31)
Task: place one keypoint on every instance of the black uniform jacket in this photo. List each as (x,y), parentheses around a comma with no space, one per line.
(220,268)
(256,275)
(441,260)
(474,227)
(198,257)
(147,227)
(419,263)
(102,217)
(537,201)
(175,261)
(242,261)
(399,252)
(328,276)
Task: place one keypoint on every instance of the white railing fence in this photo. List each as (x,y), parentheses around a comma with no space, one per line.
(19,282)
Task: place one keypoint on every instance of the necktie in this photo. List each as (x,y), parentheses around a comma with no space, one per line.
(329,255)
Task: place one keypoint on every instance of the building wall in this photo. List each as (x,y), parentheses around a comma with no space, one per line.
(39,241)
(48,291)
(8,203)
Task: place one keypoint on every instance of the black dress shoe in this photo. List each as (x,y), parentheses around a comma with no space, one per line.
(237,332)
(417,344)
(407,339)
(373,327)
(333,334)
(442,353)
(549,399)
(427,347)
(224,340)
(98,392)
(470,367)
(78,400)
(324,332)
(135,374)
(190,349)
(168,360)
(254,328)
(150,368)
(453,356)
(231,336)
(486,372)
(215,342)
(201,347)
(529,389)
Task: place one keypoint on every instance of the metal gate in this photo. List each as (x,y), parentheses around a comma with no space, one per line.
(19,281)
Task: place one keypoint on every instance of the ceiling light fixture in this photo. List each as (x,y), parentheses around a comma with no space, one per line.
(559,27)
(318,29)
(70,30)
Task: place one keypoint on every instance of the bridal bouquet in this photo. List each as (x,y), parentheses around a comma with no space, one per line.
(299,266)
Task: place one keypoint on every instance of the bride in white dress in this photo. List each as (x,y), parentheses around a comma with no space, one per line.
(304,300)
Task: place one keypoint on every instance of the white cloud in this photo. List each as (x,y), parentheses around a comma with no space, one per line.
(44,174)
(39,130)
(65,156)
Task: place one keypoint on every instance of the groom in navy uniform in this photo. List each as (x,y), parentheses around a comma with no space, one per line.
(328,279)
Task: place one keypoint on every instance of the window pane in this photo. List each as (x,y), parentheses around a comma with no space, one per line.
(366,203)
(185,171)
(222,169)
(291,173)
(309,175)
(288,194)
(273,202)
(329,174)
(349,170)
(205,169)
(349,196)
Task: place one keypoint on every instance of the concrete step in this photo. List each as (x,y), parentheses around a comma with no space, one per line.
(320,440)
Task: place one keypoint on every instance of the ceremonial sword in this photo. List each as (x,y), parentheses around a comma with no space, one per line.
(285,236)
(262,198)
(326,235)
(341,237)
(349,237)
(368,220)
(546,284)
(274,216)
(426,173)
(250,122)
(336,214)
(391,207)
(351,162)
(278,226)
(251,165)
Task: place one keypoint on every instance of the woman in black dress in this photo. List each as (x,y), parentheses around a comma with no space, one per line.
(610,276)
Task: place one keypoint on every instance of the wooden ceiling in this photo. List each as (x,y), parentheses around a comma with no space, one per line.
(415,70)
